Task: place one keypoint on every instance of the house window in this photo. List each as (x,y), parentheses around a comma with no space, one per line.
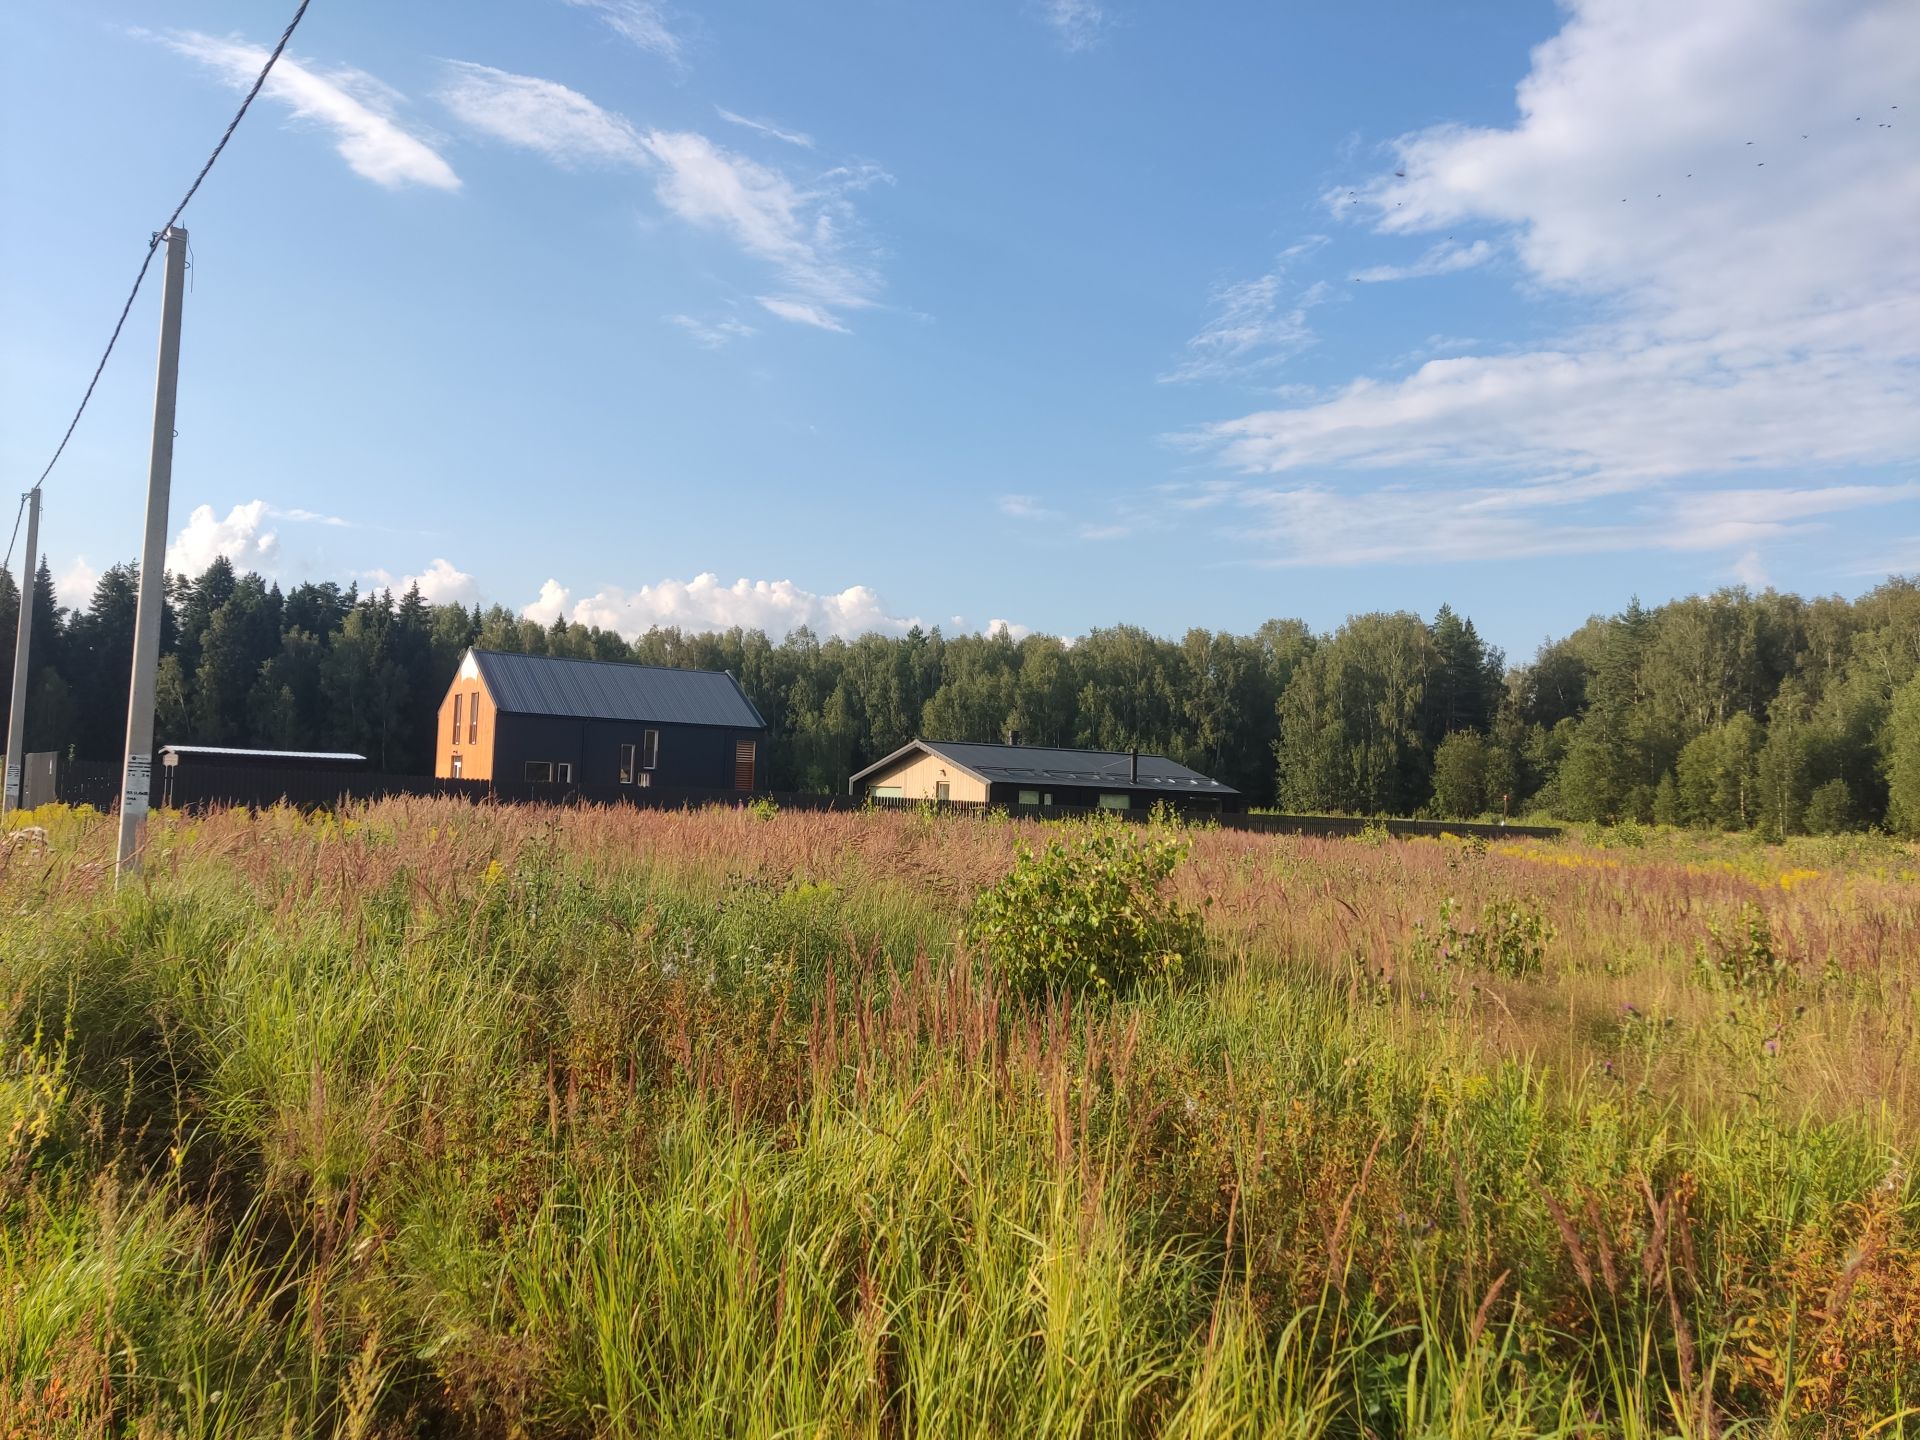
(456,767)
(473,720)
(644,779)
(1029,797)
(649,749)
(1113,802)
(563,772)
(943,792)
(456,718)
(626,764)
(743,756)
(539,771)
(887,792)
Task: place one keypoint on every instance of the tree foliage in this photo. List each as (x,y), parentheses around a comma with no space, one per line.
(1732,709)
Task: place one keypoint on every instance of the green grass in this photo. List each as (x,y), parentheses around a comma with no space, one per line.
(469,1121)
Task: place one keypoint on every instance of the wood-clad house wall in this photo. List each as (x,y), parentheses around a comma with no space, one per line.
(478,727)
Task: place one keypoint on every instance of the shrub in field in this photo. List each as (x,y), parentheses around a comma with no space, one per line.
(1744,954)
(1510,938)
(1089,913)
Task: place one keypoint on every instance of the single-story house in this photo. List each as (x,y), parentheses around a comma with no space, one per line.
(1039,775)
(546,719)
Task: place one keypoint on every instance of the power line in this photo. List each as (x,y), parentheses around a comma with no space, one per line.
(8,563)
(154,243)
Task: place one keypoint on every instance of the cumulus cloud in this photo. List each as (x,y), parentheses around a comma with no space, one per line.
(1077,24)
(243,537)
(358,109)
(1255,325)
(1009,629)
(804,230)
(705,603)
(440,584)
(639,21)
(1758,304)
(73,586)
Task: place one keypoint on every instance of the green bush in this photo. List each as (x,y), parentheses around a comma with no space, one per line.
(1511,938)
(1089,913)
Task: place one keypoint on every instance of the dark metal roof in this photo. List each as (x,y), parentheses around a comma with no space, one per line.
(608,690)
(1044,765)
(229,752)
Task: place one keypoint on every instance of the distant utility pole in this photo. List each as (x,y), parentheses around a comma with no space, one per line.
(136,780)
(22,648)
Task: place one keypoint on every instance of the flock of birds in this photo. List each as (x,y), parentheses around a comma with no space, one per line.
(1353,196)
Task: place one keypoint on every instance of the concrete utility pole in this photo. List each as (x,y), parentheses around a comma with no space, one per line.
(22,647)
(137,779)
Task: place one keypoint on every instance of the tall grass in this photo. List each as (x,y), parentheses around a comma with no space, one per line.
(446,1120)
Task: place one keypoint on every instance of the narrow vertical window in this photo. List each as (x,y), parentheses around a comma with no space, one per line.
(743,755)
(626,764)
(456,719)
(942,792)
(563,772)
(650,750)
(456,767)
(473,720)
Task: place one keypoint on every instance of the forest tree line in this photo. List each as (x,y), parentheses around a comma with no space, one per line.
(1732,710)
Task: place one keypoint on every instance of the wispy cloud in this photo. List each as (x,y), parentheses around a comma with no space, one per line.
(791,137)
(805,230)
(1078,24)
(1754,318)
(539,115)
(1026,507)
(1255,325)
(639,21)
(1321,525)
(358,109)
(1446,258)
(712,334)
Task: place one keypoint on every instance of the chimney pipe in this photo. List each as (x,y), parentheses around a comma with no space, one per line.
(1133,775)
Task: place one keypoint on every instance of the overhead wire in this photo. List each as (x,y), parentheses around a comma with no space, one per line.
(154,243)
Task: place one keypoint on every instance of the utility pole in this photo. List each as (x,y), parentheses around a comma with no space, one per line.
(22,648)
(136,780)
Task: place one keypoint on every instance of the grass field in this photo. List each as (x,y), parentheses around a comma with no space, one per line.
(447,1120)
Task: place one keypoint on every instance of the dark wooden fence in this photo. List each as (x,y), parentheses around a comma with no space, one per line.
(198,788)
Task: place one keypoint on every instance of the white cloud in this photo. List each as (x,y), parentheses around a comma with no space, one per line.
(639,21)
(1751,571)
(791,137)
(805,231)
(704,603)
(357,108)
(1256,324)
(1077,23)
(440,584)
(1316,524)
(242,537)
(73,586)
(712,334)
(802,312)
(1025,507)
(1759,304)
(539,115)
(1446,258)
(1008,628)
(310,517)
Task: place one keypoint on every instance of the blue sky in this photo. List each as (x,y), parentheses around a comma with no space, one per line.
(1054,312)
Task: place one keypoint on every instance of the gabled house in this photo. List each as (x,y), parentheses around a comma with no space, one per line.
(1039,775)
(541,718)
